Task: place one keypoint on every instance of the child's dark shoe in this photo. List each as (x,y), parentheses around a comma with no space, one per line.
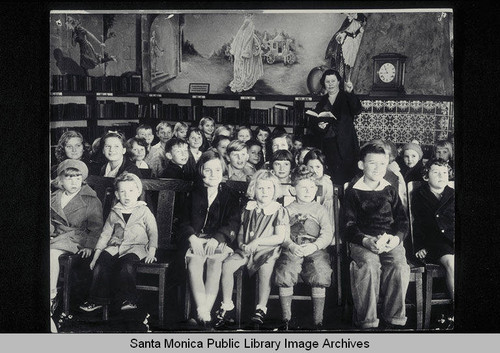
(223,317)
(128,305)
(89,307)
(258,316)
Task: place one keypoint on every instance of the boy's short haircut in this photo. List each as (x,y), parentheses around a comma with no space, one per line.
(162,124)
(174,141)
(435,161)
(444,144)
(218,139)
(140,141)
(371,147)
(207,156)
(143,127)
(253,142)
(282,155)
(264,174)
(235,146)
(193,130)
(302,172)
(126,176)
(180,125)
(285,135)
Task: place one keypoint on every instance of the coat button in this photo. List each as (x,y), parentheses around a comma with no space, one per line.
(437,216)
(442,230)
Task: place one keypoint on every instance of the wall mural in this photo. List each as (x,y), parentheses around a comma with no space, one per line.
(253,53)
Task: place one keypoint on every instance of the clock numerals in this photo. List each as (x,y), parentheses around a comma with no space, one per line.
(387,72)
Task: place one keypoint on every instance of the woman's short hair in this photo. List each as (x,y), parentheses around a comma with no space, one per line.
(264,174)
(207,156)
(61,144)
(331,72)
(140,141)
(126,176)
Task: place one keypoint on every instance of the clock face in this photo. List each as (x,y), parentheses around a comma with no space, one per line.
(387,72)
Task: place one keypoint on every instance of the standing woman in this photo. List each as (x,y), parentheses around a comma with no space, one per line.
(336,136)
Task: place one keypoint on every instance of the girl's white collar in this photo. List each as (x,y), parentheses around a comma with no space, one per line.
(268,210)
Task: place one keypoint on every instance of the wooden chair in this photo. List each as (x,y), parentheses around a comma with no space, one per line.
(432,271)
(164,214)
(416,276)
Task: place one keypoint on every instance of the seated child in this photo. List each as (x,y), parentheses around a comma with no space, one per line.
(376,225)
(180,130)
(433,209)
(195,138)
(137,150)
(282,164)
(220,143)
(298,143)
(261,134)
(176,152)
(207,126)
(281,141)
(75,219)
(264,227)
(315,161)
(222,131)
(412,164)
(146,132)
(157,153)
(114,150)
(304,252)
(207,232)
(129,235)
(444,150)
(237,168)
(300,154)
(243,134)
(254,155)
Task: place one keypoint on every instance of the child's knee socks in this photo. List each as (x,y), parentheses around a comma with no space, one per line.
(318,298)
(286,302)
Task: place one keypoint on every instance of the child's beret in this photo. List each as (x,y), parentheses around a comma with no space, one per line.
(75,164)
(415,147)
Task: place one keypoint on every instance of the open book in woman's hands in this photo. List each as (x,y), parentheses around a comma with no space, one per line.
(325,114)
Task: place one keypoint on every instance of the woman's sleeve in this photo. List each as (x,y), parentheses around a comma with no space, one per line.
(354,104)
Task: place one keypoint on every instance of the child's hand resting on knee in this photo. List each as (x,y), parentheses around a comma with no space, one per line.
(85,252)
(388,243)
(421,254)
(370,243)
(211,245)
(297,250)
(251,247)
(150,258)
(197,245)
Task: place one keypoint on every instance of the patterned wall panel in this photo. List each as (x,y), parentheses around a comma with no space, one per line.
(402,121)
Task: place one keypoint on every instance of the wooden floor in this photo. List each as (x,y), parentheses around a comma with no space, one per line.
(144,319)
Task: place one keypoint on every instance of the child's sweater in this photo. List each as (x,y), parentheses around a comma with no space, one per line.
(374,212)
(310,220)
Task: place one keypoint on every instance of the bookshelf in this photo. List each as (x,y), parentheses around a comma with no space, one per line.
(95,103)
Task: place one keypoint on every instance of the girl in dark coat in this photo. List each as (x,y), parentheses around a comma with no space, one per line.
(209,227)
(336,135)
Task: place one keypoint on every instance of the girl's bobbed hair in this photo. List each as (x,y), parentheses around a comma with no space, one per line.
(207,156)
(264,174)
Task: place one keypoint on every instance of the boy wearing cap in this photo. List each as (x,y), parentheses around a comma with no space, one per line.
(129,235)
(75,218)
(412,165)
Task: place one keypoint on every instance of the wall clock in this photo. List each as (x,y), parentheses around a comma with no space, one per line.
(388,75)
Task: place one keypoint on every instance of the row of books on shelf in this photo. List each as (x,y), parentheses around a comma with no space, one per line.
(115,84)
(279,114)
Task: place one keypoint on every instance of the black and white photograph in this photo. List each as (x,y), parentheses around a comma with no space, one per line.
(243,170)
(221,175)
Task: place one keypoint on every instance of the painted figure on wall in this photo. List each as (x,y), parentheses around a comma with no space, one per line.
(344,45)
(89,58)
(247,52)
(156,52)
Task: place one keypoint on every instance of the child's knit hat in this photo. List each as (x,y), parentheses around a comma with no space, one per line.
(415,147)
(75,164)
